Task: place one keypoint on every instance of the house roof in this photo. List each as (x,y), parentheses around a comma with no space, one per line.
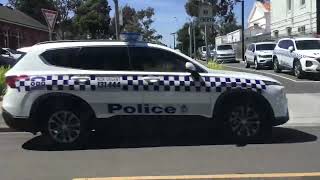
(17,17)
(265,7)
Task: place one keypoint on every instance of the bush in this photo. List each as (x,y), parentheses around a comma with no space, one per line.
(3,85)
(214,65)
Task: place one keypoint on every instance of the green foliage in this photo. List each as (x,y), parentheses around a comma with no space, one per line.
(139,21)
(3,85)
(183,38)
(92,17)
(33,7)
(214,65)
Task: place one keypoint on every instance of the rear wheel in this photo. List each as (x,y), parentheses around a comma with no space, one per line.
(66,126)
(276,66)
(245,120)
(298,72)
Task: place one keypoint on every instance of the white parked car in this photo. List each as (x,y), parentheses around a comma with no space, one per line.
(259,55)
(225,53)
(10,53)
(64,89)
(300,55)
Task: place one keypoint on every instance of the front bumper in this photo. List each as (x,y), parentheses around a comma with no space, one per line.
(265,62)
(226,59)
(280,120)
(19,123)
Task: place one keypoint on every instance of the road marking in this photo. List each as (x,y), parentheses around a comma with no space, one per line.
(271,74)
(222,176)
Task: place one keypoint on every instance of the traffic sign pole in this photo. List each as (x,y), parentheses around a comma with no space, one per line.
(206,41)
(50,17)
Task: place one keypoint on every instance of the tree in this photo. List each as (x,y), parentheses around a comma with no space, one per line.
(33,7)
(92,18)
(183,38)
(145,20)
(139,21)
(65,8)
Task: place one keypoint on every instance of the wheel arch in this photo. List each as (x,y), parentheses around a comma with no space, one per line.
(42,101)
(232,95)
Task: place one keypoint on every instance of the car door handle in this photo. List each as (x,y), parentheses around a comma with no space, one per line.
(151,79)
(80,79)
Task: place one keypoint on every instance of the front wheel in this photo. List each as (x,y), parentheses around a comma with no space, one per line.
(247,65)
(256,65)
(298,72)
(276,66)
(246,120)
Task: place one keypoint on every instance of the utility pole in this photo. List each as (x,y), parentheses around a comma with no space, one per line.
(206,41)
(242,30)
(116,6)
(190,39)
(174,40)
(194,40)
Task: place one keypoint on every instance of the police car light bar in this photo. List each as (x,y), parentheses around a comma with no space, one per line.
(130,36)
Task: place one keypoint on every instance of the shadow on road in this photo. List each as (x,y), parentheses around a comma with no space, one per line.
(162,135)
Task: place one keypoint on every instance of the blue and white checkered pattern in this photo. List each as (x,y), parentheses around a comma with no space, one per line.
(289,54)
(136,83)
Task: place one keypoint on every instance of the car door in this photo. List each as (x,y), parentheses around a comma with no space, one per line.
(167,88)
(289,55)
(281,52)
(248,53)
(98,75)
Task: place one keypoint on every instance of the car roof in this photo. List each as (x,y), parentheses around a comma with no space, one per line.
(264,43)
(300,38)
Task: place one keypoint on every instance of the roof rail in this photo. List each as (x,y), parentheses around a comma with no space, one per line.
(85,40)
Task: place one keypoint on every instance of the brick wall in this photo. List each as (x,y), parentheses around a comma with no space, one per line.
(14,36)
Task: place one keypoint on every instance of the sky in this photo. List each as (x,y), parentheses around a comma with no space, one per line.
(170,15)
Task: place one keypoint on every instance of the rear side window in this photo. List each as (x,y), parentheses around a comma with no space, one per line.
(285,44)
(90,58)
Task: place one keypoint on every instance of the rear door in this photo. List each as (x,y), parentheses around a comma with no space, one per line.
(98,75)
(167,88)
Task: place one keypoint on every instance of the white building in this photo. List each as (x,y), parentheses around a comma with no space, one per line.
(229,38)
(259,20)
(294,17)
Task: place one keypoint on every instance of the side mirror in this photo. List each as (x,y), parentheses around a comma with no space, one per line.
(190,67)
(291,49)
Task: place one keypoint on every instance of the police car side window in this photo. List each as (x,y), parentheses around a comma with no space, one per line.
(155,60)
(89,58)
(104,58)
(62,57)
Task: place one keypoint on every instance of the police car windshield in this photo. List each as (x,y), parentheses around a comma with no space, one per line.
(224,47)
(264,47)
(308,44)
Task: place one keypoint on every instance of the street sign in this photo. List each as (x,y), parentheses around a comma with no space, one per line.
(205,15)
(51,17)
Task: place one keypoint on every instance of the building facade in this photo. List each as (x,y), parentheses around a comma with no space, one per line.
(294,18)
(19,30)
(259,20)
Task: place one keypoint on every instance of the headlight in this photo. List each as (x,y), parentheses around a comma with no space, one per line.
(271,83)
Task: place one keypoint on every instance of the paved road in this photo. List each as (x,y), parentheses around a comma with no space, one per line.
(190,152)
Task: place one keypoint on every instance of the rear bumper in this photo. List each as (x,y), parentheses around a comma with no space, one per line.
(19,123)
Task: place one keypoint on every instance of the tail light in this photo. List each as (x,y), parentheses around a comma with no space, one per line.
(11,80)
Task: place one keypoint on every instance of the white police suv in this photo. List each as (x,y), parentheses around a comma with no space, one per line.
(259,55)
(64,89)
(301,55)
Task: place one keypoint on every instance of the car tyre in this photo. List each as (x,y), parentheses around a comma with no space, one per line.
(276,66)
(245,120)
(256,65)
(297,69)
(247,65)
(66,126)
